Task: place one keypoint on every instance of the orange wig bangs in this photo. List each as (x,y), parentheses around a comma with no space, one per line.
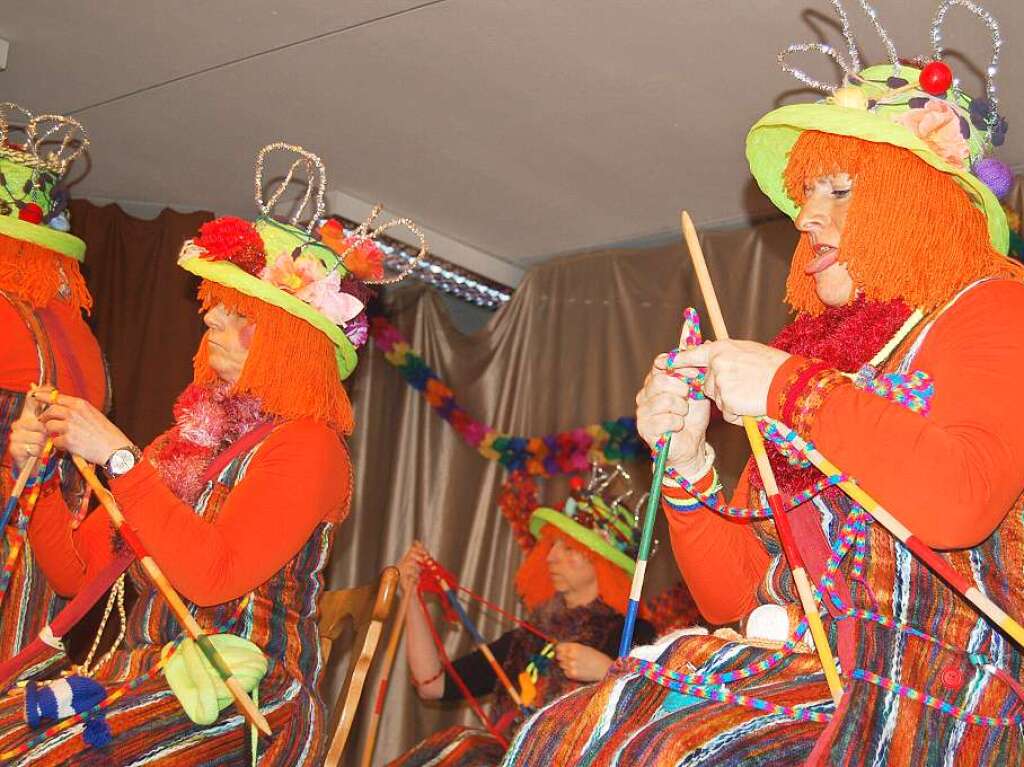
(291,365)
(35,274)
(911,231)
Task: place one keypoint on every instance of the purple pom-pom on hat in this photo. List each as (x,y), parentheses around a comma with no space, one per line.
(996,175)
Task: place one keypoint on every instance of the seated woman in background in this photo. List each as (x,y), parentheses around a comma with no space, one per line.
(575,583)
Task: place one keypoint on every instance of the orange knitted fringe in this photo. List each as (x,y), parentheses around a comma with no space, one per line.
(33,274)
(533,581)
(911,231)
(291,365)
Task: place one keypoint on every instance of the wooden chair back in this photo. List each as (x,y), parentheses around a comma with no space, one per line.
(367,608)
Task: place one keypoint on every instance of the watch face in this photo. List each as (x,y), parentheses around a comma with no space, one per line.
(121,461)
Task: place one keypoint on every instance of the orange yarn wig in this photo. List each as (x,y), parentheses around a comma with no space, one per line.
(35,274)
(533,581)
(911,231)
(291,365)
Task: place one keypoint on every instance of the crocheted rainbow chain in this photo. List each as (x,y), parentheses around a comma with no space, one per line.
(912,390)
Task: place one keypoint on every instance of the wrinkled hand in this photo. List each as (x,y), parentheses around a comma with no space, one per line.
(739,375)
(411,564)
(27,435)
(79,428)
(581,663)
(663,405)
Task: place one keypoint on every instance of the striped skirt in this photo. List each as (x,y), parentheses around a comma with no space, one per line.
(455,747)
(149,728)
(628,720)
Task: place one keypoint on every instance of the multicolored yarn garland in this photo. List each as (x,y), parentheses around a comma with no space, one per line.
(564,452)
(133,684)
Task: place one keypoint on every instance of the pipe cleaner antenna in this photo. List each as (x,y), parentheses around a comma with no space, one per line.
(46,129)
(993,28)
(316,174)
(367,232)
(849,66)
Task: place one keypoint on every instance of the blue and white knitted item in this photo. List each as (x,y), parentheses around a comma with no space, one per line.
(64,697)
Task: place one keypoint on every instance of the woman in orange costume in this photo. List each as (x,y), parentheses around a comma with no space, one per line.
(898,366)
(44,338)
(238,502)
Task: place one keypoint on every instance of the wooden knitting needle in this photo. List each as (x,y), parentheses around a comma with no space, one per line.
(242,700)
(922,551)
(764,467)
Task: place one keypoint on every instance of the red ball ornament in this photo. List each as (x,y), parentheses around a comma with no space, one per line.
(576,484)
(31,212)
(936,78)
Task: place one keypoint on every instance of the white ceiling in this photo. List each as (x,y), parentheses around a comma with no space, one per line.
(514,130)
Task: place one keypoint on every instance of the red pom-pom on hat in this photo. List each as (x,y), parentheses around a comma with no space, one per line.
(233,239)
(31,212)
(936,78)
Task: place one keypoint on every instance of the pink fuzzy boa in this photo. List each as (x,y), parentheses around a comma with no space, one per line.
(208,419)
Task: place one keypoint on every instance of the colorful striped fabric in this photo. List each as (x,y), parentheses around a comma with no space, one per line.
(455,747)
(148,724)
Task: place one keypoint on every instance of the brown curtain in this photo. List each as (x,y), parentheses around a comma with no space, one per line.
(144,314)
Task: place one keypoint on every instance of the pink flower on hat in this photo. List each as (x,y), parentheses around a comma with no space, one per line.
(293,274)
(938,125)
(326,296)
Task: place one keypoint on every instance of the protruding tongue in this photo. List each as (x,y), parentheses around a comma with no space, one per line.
(822,262)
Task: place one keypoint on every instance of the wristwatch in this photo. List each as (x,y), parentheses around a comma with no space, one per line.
(122,461)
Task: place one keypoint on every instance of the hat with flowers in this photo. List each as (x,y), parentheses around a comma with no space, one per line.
(35,154)
(920,107)
(593,517)
(318,272)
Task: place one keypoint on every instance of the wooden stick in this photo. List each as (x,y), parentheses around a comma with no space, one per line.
(646,536)
(478,641)
(764,467)
(26,473)
(244,702)
(922,551)
(385,678)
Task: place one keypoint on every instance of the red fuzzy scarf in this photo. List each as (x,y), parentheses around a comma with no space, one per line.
(844,337)
(208,419)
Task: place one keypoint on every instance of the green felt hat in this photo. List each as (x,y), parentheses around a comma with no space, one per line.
(33,204)
(590,538)
(315,272)
(604,526)
(922,110)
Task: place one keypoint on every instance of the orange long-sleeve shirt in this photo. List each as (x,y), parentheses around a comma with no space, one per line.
(950,476)
(299,477)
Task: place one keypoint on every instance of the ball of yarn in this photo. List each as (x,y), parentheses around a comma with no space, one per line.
(996,175)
